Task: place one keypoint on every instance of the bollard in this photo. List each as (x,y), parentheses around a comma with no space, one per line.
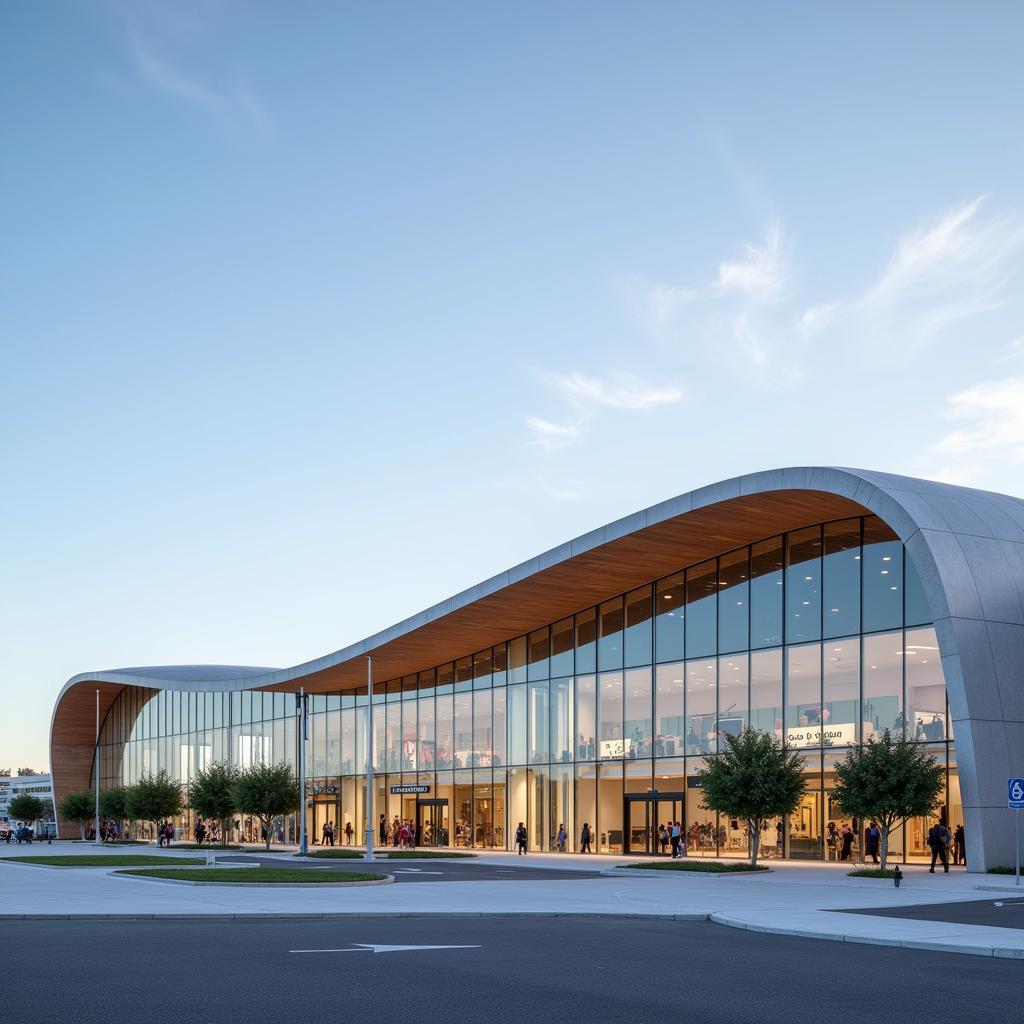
(897,876)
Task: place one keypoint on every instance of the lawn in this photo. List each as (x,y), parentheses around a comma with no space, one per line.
(258,876)
(711,867)
(334,854)
(872,873)
(99,861)
(429,855)
(212,847)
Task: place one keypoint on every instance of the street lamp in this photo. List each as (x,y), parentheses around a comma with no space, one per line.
(300,704)
(368,856)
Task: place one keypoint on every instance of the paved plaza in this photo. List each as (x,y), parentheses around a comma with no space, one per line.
(800,900)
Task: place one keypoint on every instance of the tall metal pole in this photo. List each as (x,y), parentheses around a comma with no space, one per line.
(369,759)
(303,846)
(1016,818)
(96,774)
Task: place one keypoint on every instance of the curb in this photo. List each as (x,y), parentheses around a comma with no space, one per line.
(386,880)
(343,915)
(933,945)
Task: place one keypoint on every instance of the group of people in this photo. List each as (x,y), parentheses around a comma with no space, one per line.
(328,833)
(164,833)
(941,841)
(207,833)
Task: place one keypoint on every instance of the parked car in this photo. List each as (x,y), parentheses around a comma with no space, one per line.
(23,834)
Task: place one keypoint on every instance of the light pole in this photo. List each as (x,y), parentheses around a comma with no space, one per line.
(368,856)
(301,703)
(96,774)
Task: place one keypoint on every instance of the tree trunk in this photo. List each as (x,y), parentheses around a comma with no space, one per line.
(755,842)
(884,844)
(81,825)
(266,826)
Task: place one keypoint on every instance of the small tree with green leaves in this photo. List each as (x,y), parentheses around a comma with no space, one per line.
(26,807)
(153,798)
(114,804)
(754,778)
(888,781)
(266,791)
(211,795)
(79,807)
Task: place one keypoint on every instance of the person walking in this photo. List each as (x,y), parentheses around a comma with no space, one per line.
(662,838)
(846,833)
(382,830)
(561,838)
(585,837)
(673,839)
(959,846)
(872,841)
(938,840)
(521,840)
(348,833)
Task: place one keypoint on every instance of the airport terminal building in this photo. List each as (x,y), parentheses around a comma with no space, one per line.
(589,684)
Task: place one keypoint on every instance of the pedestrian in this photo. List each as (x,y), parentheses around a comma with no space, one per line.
(348,833)
(872,841)
(382,830)
(662,838)
(938,841)
(673,839)
(521,840)
(561,838)
(846,834)
(959,846)
(585,838)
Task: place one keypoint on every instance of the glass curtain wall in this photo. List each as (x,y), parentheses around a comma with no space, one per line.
(604,718)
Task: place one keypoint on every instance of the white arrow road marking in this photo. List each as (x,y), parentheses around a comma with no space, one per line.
(367,947)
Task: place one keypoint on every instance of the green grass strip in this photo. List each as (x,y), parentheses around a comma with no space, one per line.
(205,846)
(99,861)
(334,854)
(711,867)
(429,855)
(251,876)
(872,873)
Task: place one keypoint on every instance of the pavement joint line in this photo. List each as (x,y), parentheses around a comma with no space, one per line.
(343,915)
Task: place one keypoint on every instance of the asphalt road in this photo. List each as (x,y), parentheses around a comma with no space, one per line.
(522,971)
(983,912)
(421,870)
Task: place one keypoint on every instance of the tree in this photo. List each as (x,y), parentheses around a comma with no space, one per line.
(26,807)
(755,778)
(79,807)
(27,771)
(211,796)
(266,791)
(888,781)
(114,803)
(154,797)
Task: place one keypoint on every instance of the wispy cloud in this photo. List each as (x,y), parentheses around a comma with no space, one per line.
(168,78)
(817,318)
(587,396)
(992,435)
(626,393)
(551,436)
(761,272)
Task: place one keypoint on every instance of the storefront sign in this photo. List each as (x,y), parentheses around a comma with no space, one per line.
(398,790)
(815,735)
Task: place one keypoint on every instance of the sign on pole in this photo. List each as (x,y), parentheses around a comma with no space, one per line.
(1015,801)
(1015,794)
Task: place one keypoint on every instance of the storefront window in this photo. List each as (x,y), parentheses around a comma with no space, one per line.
(734,600)
(766,593)
(610,715)
(841,579)
(883,685)
(883,576)
(636,730)
(701,608)
(669,603)
(701,706)
(668,711)
(586,718)
(926,687)
(638,627)
(609,644)
(840,713)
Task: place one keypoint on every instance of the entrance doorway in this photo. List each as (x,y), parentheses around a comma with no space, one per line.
(644,813)
(432,822)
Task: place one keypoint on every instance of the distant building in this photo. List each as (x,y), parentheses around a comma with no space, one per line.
(5,796)
(40,786)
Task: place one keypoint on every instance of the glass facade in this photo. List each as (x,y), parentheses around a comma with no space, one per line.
(605,717)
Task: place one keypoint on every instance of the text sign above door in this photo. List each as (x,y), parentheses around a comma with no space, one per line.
(397,790)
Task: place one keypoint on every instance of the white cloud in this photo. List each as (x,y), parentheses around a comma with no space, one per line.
(170,80)
(817,318)
(761,273)
(623,393)
(552,436)
(995,414)
(750,344)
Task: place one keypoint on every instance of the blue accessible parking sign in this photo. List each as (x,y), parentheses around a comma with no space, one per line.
(1015,794)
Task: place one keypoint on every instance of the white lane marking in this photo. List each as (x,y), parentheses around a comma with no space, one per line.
(367,947)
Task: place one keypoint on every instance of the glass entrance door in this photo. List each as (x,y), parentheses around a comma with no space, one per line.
(432,822)
(645,814)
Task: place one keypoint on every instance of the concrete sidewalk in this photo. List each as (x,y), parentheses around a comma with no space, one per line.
(792,899)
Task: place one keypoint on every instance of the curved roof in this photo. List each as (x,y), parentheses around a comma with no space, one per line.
(968,547)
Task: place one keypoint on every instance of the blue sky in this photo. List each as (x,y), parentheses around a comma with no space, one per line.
(313,315)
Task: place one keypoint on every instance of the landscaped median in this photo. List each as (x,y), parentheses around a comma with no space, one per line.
(258,876)
(708,867)
(390,855)
(99,860)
